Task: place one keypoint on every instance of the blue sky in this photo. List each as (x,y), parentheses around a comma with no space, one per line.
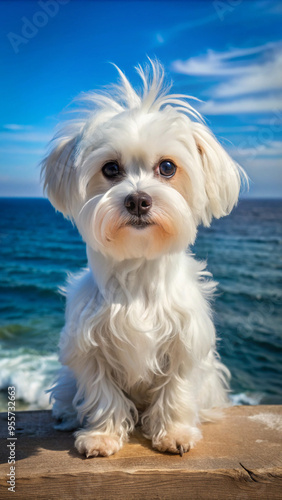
(227,53)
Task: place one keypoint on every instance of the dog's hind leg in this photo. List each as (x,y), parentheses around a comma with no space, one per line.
(62,393)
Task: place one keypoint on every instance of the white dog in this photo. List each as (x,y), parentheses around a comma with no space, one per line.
(137,174)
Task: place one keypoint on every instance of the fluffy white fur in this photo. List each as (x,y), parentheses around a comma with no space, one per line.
(139,341)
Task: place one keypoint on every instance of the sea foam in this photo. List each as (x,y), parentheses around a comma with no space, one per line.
(31,375)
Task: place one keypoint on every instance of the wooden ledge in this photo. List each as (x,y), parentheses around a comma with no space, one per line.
(239,457)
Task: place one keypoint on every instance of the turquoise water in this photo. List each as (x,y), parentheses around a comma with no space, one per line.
(39,248)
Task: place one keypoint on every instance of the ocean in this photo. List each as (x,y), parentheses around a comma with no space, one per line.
(39,248)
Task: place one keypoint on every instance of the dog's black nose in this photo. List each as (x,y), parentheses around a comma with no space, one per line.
(138,203)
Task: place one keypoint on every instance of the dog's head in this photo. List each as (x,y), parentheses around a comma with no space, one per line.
(139,172)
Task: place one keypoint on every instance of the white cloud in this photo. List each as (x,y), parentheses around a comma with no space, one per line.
(177,29)
(256,149)
(236,74)
(26,136)
(263,164)
(160,38)
(235,129)
(274,121)
(259,164)
(265,176)
(217,63)
(255,78)
(246,105)
(21,186)
(16,150)
(22,145)
(16,126)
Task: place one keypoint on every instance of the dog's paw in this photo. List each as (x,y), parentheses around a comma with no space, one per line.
(94,445)
(177,441)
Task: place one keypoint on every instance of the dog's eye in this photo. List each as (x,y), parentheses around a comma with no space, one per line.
(111,170)
(167,168)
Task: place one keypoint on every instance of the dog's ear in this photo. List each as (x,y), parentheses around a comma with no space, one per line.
(59,175)
(222,175)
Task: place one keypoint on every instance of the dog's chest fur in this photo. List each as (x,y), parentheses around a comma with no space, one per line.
(145,316)
(140,341)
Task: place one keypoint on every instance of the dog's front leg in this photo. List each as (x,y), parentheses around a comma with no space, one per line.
(108,413)
(171,419)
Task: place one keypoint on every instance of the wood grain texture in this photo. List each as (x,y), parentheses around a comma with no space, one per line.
(239,457)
